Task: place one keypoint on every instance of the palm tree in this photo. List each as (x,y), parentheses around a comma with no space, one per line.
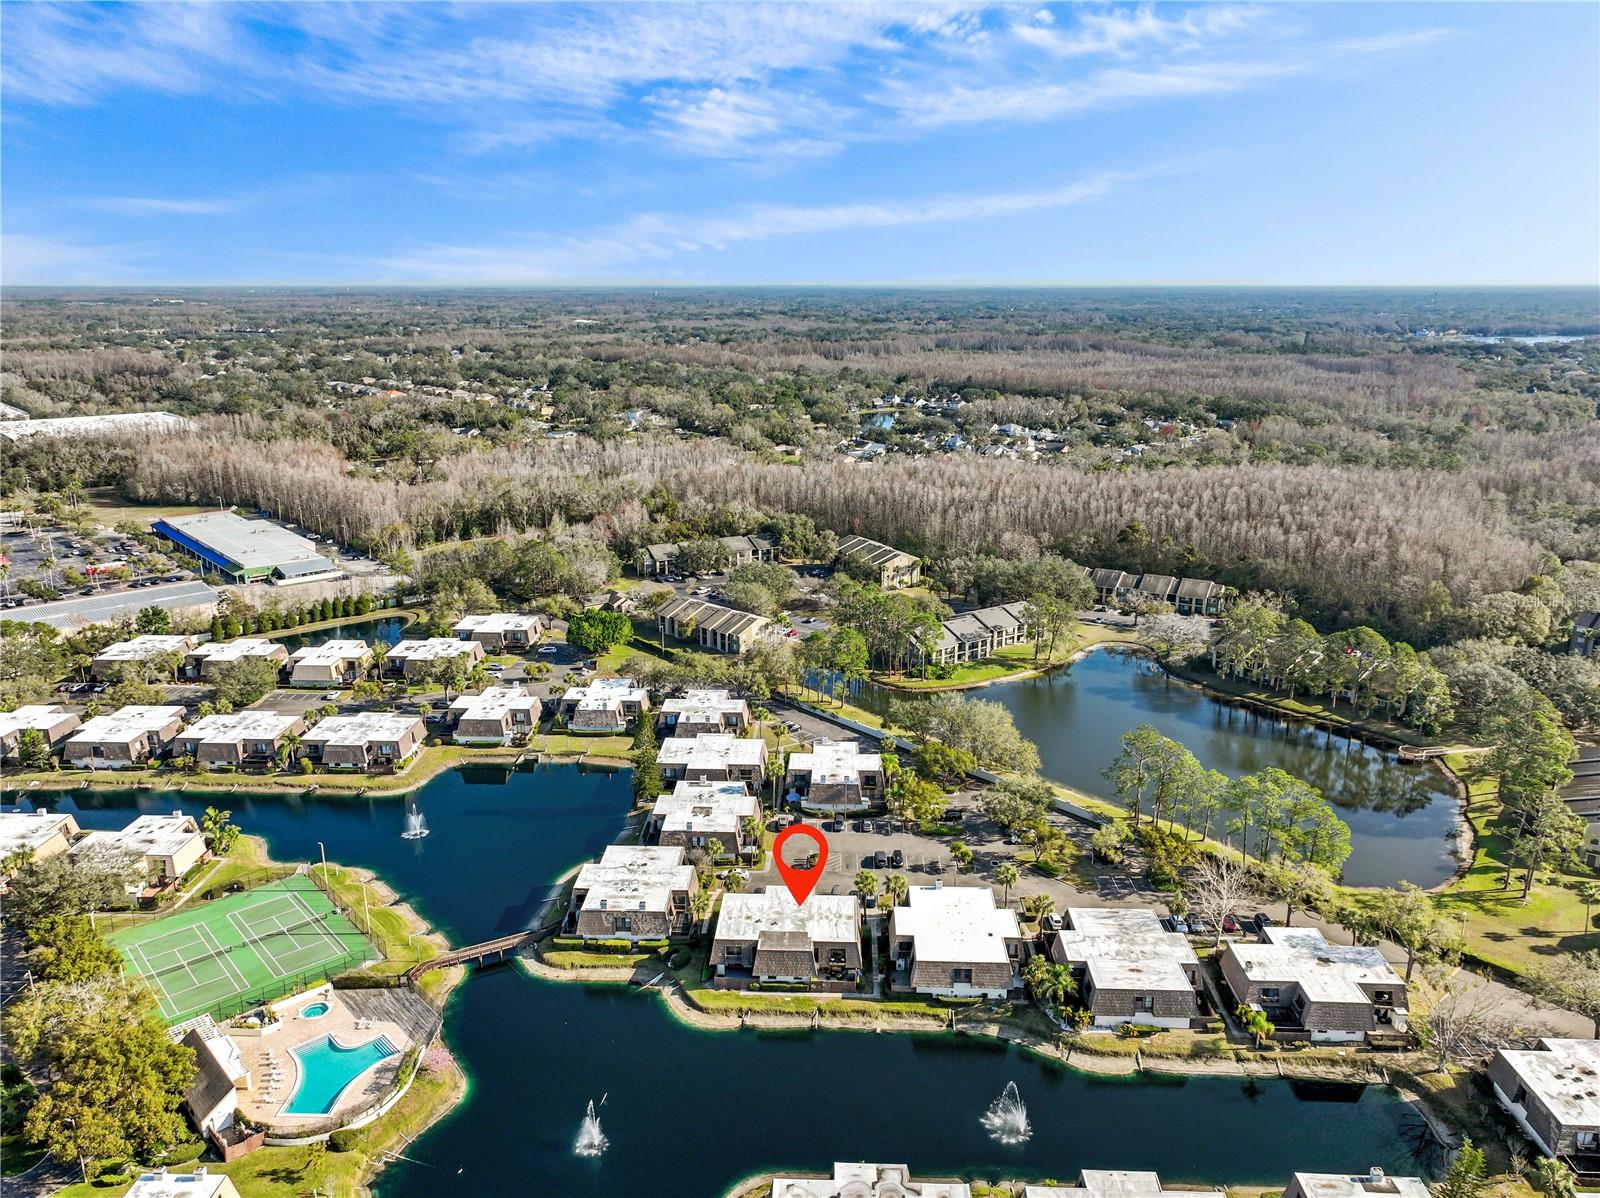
(287,750)
(1007,875)
(1050,983)
(898,889)
(866,883)
(1037,906)
(1589,894)
(733,882)
(700,906)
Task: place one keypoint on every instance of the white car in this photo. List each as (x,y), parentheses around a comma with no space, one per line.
(330,697)
(548,651)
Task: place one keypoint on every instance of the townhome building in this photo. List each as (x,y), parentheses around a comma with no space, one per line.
(204,660)
(51,721)
(697,711)
(714,757)
(239,737)
(330,664)
(125,738)
(370,740)
(114,657)
(952,941)
(655,561)
(497,715)
(1110,585)
(408,659)
(1585,638)
(1552,1091)
(40,832)
(860,1180)
(606,705)
(503,631)
(166,847)
(1199,597)
(1313,990)
(891,568)
(767,937)
(696,813)
(1374,1183)
(712,626)
(975,635)
(834,776)
(633,892)
(1129,969)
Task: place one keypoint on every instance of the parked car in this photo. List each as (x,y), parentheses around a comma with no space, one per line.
(880,860)
(837,825)
(329,696)
(1180,925)
(897,860)
(1263,920)
(1052,922)
(548,650)
(954,815)
(863,825)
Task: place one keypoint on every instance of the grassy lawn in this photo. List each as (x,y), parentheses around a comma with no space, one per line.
(111,509)
(741,1002)
(17,1155)
(1497,926)
(388,928)
(577,959)
(567,744)
(1013,660)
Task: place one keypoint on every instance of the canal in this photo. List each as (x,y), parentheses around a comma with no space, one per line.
(689,1112)
(1401,814)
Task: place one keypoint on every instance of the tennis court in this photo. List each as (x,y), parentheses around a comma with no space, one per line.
(222,957)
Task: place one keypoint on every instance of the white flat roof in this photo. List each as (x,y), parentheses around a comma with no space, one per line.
(330,653)
(241,725)
(1565,1074)
(830,917)
(860,1178)
(703,706)
(125,723)
(956,923)
(34,715)
(1360,1185)
(162,1184)
(634,878)
(89,426)
(705,807)
(712,750)
(148,836)
(605,694)
(433,649)
(1325,972)
(141,647)
(1126,948)
(835,761)
(362,727)
(500,621)
(30,829)
(248,544)
(493,702)
(238,650)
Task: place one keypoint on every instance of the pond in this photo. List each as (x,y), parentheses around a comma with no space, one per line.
(387,629)
(689,1112)
(1401,815)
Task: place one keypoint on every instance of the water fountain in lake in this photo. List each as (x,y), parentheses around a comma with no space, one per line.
(1007,1118)
(591,1140)
(416,826)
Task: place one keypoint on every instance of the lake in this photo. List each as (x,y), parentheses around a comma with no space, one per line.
(1401,814)
(690,1112)
(387,629)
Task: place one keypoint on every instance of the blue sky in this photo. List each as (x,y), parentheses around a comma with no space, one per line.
(755,143)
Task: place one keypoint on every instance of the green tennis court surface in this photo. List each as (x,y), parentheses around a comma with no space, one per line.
(222,957)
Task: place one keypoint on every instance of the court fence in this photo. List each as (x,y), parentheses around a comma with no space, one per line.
(389,948)
(271,991)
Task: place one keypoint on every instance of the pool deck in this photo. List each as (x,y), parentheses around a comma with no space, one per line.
(264,1102)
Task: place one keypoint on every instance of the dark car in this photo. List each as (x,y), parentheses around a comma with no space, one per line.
(880,860)
(1263,920)
(954,815)
(897,860)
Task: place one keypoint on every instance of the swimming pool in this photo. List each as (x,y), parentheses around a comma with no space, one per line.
(328,1067)
(315,1011)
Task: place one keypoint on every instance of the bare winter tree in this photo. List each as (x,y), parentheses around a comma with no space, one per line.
(1217,888)
(1463,1022)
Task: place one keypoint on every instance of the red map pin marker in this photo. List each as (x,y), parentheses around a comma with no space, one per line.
(801,882)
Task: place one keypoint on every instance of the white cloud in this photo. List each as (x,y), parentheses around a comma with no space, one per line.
(155,206)
(29,259)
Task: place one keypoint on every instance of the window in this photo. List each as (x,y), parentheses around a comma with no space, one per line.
(1269,994)
(732,952)
(961,976)
(1145,1002)
(836,956)
(623,923)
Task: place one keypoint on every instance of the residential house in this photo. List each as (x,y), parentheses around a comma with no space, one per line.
(1310,989)
(501,632)
(1374,1183)
(369,740)
(1114,1183)
(696,813)
(409,659)
(238,737)
(203,661)
(767,937)
(1198,597)
(1155,588)
(860,1180)
(212,1100)
(114,657)
(1187,596)
(953,941)
(654,561)
(714,757)
(720,629)
(1585,637)
(53,722)
(975,635)
(125,738)
(330,664)
(41,832)
(190,1181)
(1129,968)
(834,776)
(893,568)
(165,846)
(1553,1093)
(604,705)
(697,711)
(633,893)
(496,715)
(1582,797)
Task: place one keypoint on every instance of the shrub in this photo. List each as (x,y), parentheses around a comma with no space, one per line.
(679,959)
(344,1140)
(184,1153)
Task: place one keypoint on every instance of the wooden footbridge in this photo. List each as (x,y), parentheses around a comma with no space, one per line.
(478,953)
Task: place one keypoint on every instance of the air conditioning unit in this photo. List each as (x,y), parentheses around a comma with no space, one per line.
(901,963)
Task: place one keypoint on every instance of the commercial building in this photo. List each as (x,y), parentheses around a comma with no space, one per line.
(954,942)
(768,937)
(113,423)
(42,832)
(834,776)
(633,893)
(332,663)
(497,715)
(714,757)
(203,661)
(891,568)
(712,626)
(238,737)
(240,550)
(1129,968)
(165,846)
(370,740)
(501,632)
(49,720)
(696,813)
(1313,990)
(604,705)
(115,656)
(127,737)
(407,659)
(697,711)
(1553,1093)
